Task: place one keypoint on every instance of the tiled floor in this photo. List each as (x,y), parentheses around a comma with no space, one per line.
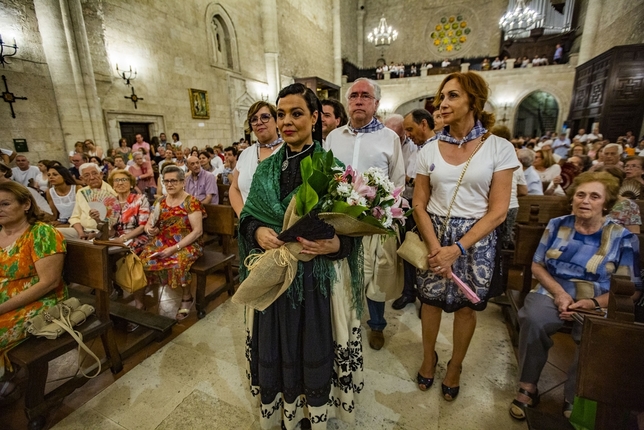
(196,378)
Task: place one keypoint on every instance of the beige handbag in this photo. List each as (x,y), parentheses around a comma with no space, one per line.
(129,273)
(63,317)
(413,249)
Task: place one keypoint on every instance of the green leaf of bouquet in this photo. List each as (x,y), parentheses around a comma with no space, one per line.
(306,199)
(345,208)
(328,160)
(319,182)
(306,168)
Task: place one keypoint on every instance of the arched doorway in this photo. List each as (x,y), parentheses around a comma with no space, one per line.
(537,114)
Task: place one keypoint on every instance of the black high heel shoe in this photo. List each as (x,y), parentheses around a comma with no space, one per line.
(426,382)
(450,393)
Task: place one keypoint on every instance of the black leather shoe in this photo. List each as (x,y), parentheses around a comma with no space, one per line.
(402,301)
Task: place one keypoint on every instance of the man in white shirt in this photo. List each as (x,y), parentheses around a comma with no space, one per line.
(418,126)
(24,173)
(582,136)
(365,143)
(533,181)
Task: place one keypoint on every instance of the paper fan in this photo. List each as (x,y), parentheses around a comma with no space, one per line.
(111,203)
(630,189)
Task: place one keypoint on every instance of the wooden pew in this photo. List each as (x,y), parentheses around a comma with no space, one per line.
(86,264)
(223,191)
(220,221)
(534,214)
(610,359)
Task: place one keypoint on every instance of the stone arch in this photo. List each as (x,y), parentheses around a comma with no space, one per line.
(537,98)
(222,38)
(561,99)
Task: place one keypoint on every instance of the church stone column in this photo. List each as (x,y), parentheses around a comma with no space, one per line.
(72,77)
(337,44)
(591,24)
(271,47)
(360,35)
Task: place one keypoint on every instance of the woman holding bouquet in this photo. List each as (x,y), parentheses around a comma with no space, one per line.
(457,206)
(304,350)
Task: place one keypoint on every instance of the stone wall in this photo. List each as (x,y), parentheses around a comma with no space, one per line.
(416,20)
(28,76)
(621,23)
(508,88)
(69,50)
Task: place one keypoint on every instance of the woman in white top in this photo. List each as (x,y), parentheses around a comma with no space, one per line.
(92,149)
(42,181)
(262,117)
(463,242)
(62,194)
(544,164)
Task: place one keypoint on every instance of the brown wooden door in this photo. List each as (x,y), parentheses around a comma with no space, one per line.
(130,129)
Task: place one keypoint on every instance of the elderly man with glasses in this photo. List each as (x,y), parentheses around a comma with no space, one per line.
(86,221)
(363,143)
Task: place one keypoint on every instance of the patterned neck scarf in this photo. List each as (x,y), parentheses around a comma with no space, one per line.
(475,133)
(374,125)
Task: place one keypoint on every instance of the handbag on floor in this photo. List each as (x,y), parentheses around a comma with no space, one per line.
(60,318)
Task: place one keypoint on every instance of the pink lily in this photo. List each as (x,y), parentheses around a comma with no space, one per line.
(361,187)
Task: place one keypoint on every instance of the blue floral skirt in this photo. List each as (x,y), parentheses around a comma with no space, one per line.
(475,269)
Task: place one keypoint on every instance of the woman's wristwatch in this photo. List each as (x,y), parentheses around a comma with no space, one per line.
(597,307)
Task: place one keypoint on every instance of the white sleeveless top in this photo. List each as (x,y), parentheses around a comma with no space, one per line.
(64,204)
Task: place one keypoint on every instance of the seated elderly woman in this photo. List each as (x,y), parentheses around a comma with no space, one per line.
(129,223)
(577,255)
(86,220)
(31,265)
(176,228)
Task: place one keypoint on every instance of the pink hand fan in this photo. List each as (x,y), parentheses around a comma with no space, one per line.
(465,289)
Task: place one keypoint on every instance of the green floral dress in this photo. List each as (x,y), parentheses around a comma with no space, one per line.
(17,274)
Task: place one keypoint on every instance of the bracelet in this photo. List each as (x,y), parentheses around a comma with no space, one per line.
(597,307)
(460,247)
(178,247)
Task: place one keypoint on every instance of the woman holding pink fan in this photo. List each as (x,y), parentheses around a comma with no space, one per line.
(462,194)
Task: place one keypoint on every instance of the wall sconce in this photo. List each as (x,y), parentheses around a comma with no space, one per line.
(264,97)
(3,56)
(126,75)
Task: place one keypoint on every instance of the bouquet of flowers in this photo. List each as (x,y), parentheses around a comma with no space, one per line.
(331,200)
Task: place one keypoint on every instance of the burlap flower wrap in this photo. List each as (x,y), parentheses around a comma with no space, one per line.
(272,272)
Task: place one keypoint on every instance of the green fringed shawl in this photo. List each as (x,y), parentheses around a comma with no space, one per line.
(264,204)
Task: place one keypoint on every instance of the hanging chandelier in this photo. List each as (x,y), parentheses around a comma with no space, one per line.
(382,35)
(520,20)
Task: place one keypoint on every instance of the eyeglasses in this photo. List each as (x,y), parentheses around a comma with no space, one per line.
(117,180)
(172,182)
(362,96)
(264,118)
(633,166)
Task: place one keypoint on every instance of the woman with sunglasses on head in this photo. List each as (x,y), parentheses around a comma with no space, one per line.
(175,227)
(262,120)
(304,350)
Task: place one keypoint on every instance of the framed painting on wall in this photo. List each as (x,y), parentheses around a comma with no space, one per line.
(199,104)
